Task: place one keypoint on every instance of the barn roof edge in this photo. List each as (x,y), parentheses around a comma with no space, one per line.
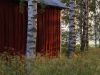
(54,3)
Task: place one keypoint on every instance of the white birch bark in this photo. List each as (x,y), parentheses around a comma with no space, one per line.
(31,35)
(71,40)
(31,29)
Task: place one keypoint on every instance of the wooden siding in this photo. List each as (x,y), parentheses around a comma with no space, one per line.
(13,26)
(48,31)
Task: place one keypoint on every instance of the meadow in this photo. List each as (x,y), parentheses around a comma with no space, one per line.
(87,63)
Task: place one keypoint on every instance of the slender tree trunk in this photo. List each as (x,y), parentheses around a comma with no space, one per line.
(99,36)
(99,39)
(81,27)
(72,38)
(95,23)
(84,33)
(95,30)
(87,12)
(32,29)
(31,35)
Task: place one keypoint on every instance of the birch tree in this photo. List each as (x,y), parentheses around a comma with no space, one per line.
(84,34)
(31,35)
(32,29)
(71,40)
(86,11)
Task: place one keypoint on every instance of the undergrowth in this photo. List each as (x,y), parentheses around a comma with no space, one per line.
(87,63)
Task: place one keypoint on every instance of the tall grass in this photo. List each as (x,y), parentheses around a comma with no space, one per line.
(87,63)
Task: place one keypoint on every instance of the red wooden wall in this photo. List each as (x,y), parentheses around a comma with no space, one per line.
(13,26)
(48,31)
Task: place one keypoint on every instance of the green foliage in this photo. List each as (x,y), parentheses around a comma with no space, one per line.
(43,6)
(66,1)
(92,5)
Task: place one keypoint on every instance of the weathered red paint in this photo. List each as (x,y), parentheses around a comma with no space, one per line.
(48,31)
(13,27)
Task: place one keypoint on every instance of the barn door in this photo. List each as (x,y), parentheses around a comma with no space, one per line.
(13,24)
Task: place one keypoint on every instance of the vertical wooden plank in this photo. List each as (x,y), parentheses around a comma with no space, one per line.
(1,30)
(25,21)
(47,26)
(58,11)
(16,29)
(48,35)
(42,33)
(57,42)
(49,29)
(12,28)
(45,33)
(39,31)
(46,30)
(53,31)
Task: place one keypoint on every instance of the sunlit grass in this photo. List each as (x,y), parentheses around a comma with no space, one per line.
(87,63)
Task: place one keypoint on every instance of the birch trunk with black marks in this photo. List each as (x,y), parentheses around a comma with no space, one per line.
(95,30)
(84,45)
(31,35)
(95,24)
(86,20)
(31,29)
(72,38)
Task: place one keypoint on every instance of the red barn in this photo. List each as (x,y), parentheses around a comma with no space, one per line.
(48,34)
(13,27)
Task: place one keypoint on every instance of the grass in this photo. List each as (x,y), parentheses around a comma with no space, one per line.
(87,63)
